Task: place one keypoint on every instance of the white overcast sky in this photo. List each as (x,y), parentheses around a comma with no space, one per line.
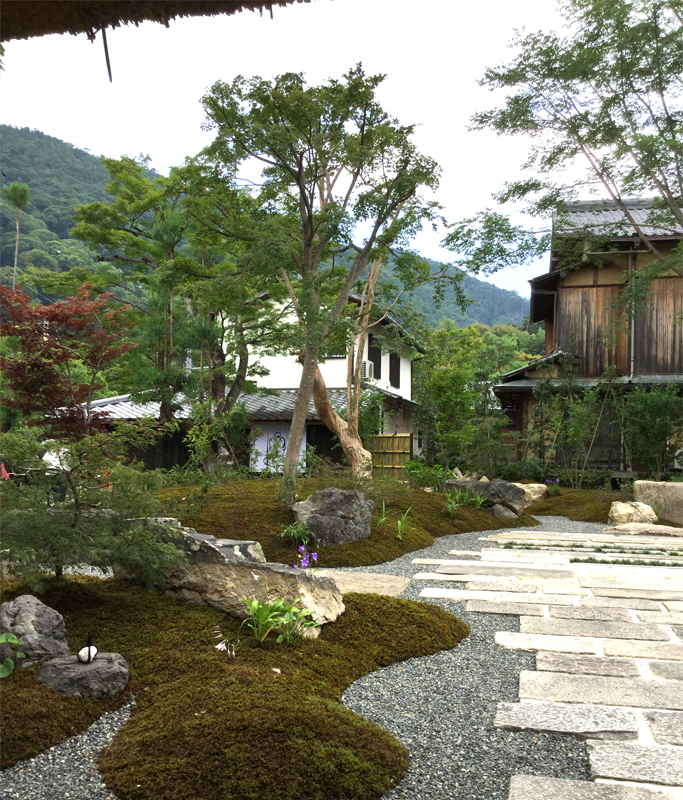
(432,51)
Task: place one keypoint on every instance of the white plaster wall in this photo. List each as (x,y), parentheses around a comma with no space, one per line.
(269,431)
(285,372)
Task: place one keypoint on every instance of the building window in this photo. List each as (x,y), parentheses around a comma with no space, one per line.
(375,356)
(395,371)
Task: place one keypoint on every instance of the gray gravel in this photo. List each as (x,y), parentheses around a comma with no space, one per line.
(442,707)
(67,770)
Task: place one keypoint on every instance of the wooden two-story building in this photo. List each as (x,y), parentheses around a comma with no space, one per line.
(579,303)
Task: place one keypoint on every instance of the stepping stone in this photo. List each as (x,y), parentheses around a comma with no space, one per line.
(596,722)
(666,726)
(560,687)
(674,605)
(588,665)
(601,630)
(636,762)
(620,602)
(538,641)
(648,579)
(474,568)
(529,787)
(664,651)
(649,594)
(517,609)
(365,582)
(591,613)
(502,586)
(667,670)
(663,617)
(496,597)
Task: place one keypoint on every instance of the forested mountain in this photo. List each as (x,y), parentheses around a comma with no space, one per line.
(60,177)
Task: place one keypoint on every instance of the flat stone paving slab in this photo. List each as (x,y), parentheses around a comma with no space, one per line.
(366,582)
(664,651)
(589,665)
(561,687)
(474,568)
(530,787)
(495,597)
(667,670)
(539,641)
(601,613)
(620,602)
(663,617)
(635,762)
(666,726)
(585,720)
(606,630)
(649,594)
(674,605)
(502,586)
(515,609)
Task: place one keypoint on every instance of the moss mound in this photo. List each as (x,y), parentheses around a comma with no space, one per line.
(265,725)
(580,505)
(249,510)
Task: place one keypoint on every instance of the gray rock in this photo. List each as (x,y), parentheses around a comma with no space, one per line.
(208,577)
(596,722)
(495,492)
(587,665)
(669,670)
(243,549)
(39,627)
(530,787)
(559,687)
(502,512)
(667,726)
(106,676)
(635,762)
(600,630)
(336,516)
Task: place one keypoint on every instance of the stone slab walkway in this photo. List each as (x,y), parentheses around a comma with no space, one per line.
(608,639)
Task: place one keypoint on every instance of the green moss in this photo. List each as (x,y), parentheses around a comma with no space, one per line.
(207,726)
(249,510)
(582,505)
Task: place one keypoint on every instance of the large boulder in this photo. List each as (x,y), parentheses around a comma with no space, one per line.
(212,575)
(667,497)
(645,529)
(105,676)
(495,492)
(244,549)
(336,516)
(621,513)
(533,492)
(39,627)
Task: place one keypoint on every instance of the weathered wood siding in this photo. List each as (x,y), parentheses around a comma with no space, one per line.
(657,340)
(583,326)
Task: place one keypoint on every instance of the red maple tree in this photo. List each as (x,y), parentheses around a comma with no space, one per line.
(54,347)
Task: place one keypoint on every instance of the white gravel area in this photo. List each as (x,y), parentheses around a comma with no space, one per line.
(440,707)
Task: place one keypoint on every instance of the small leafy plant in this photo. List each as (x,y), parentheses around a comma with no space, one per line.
(299,533)
(7,666)
(553,487)
(294,623)
(383,517)
(453,502)
(423,476)
(401,524)
(264,617)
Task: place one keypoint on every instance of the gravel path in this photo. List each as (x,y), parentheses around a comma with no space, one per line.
(440,707)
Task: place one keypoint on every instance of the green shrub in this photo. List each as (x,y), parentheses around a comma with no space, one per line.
(423,476)
(526,469)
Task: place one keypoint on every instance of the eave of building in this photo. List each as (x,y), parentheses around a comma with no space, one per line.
(527,384)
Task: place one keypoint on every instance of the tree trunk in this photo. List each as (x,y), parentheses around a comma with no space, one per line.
(359,458)
(298,426)
(217,375)
(16,253)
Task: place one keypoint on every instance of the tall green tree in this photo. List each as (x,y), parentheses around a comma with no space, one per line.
(17,195)
(602,106)
(339,176)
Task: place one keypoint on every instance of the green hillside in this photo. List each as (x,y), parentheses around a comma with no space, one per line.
(60,177)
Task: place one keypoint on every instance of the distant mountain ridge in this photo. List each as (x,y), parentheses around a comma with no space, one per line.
(61,176)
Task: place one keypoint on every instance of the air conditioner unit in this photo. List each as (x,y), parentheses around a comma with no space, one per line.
(367,370)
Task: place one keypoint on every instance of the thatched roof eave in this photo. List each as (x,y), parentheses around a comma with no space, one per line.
(23,19)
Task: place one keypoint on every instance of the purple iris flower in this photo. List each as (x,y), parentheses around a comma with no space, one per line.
(302,548)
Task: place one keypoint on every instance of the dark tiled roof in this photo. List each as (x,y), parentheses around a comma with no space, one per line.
(607,217)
